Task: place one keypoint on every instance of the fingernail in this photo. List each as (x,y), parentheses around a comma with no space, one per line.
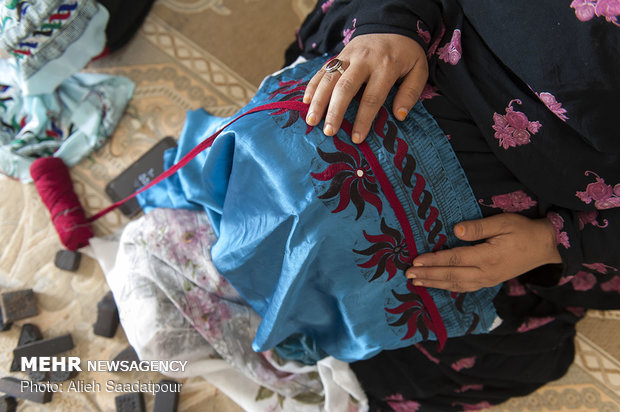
(328,130)
(411,275)
(418,283)
(401,113)
(357,137)
(418,264)
(311,119)
(306,99)
(459,230)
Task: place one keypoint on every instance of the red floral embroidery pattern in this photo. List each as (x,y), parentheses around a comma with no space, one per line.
(511,202)
(389,252)
(413,314)
(603,195)
(514,128)
(291,91)
(351,179)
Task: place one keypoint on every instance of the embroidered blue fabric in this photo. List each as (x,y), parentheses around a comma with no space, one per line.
(307,235)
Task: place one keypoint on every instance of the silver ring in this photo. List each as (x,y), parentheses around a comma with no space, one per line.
(334,65)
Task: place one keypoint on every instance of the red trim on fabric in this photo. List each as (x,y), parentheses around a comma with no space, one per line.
(388,191)
(302,108)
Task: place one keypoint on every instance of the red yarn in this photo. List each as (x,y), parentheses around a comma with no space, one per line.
(52,180)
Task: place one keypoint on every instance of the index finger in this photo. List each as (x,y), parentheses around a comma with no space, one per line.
(458,256)
(375,94)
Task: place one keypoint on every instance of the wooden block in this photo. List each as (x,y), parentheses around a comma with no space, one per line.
(130,402)
(29,391)
(19,304)
(107,317)
(166,401)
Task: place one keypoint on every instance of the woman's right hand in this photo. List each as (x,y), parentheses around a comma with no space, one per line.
(379,61)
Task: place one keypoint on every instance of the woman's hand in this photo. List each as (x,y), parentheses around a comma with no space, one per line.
(379,60)
(513,244)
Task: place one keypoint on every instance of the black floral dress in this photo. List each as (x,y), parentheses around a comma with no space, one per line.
(528,93)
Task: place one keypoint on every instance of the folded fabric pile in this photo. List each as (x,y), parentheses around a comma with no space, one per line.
(174,304)
(45,108)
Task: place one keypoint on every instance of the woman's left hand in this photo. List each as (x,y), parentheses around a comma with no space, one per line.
(513,245)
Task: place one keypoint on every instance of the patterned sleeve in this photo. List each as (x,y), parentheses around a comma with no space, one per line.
(333,23)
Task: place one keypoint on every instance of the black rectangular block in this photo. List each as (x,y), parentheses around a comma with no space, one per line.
(128,354)
(166,400)
(107,317)
(29,333)
(19,304)
(32,391)
(130,402)
(68,260)
(8,404)
(44,347)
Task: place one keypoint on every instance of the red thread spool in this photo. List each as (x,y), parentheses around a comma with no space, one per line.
(52,180)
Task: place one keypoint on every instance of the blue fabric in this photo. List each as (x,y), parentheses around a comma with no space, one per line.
(306,233)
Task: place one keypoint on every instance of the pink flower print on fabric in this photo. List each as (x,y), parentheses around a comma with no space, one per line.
(612,285)
(400,404)
(452,52)
(565,279)
(515,288)
(426,353)
(583,281)
(533,323)
(516,201)
(348,33)
(424,34)
(600,267)
(326,5)
(473,406)
(590,217)
(428,92)
(585,10)
(437,40)
(514,128)
(472,387)
(577,311)
(603,195)
(558,224)
(464,363)
(552,104)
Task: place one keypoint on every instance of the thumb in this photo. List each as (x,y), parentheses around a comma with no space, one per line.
(410,89)
(480,229)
